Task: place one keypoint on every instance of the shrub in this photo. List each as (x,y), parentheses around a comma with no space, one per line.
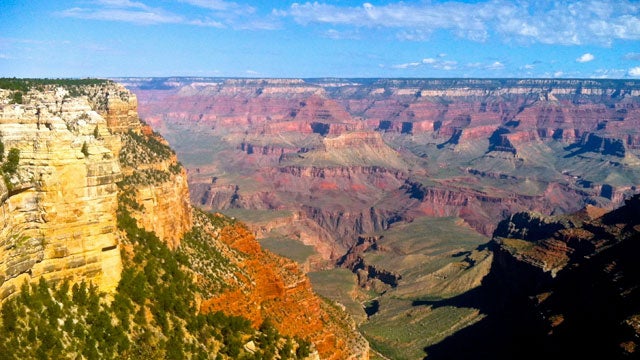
(85,149)
(11,165)
(16,97)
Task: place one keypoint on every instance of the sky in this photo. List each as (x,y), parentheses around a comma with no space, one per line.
(331,38)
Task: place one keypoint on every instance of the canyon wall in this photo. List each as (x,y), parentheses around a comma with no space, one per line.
(479,149)
(58,210)
(558,285)
(85,160)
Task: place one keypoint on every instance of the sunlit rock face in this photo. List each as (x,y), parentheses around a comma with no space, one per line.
(351,156)
(59,210)
(58,214)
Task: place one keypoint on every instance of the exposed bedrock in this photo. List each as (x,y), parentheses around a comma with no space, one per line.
(338,153)
(367,273)
(478,208)
(594,143)
(347,225)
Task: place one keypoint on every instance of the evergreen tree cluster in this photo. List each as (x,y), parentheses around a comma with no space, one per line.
(76,87)
(144,149)
(152,314)
(9,166)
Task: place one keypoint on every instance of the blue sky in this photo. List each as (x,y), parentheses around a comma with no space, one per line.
(341,38)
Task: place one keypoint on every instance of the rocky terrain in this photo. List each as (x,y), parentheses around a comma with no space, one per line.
(59,218)
(91,195)
(558,285)
(477,149)
(399,180)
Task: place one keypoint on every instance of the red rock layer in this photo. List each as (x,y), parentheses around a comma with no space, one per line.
(273,288)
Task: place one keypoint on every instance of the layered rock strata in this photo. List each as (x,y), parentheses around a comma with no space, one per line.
(58,215)
(83,156)
(480,149)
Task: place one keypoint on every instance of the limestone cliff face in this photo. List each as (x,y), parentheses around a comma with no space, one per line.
(84,155)
(58,217)
(160,185)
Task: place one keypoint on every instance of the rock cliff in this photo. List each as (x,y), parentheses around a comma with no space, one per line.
(275,288)
(58,217)
(557,285)
(349,160)
(87,167)
(480,149)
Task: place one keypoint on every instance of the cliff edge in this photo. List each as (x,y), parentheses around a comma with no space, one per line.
(92,195)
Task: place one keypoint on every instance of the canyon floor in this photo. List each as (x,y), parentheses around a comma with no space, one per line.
(386,192)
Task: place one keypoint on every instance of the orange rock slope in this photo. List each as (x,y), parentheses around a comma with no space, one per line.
(271,287)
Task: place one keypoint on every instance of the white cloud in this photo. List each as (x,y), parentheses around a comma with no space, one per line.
(341,35)
(558,74)
(438,64)
(563,22)
(585,58)
(220,5)
(635,71)
(416,21)
(632,56)
(406,65)
(445,65)
(4,57)
(142,16)
(413,35)
(529,66)
(496,65)
(220,14)
(608,74)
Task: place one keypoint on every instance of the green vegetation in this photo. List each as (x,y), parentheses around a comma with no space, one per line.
(141,149)
(85,149)
(200,253)
(16,97)
(152,315)
(437,259)
(147,177)
(49,322)
(339,285)
(405,334)
(76,87)
(256,216)
(10,166)
(289,248)
(196,145)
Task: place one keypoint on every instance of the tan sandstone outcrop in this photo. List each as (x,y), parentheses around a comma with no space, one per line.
(58,220)
(58,213)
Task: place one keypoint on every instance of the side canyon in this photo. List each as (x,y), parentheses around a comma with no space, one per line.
(95,201)
(387,191)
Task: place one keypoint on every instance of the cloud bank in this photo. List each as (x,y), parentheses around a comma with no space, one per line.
(560,22)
